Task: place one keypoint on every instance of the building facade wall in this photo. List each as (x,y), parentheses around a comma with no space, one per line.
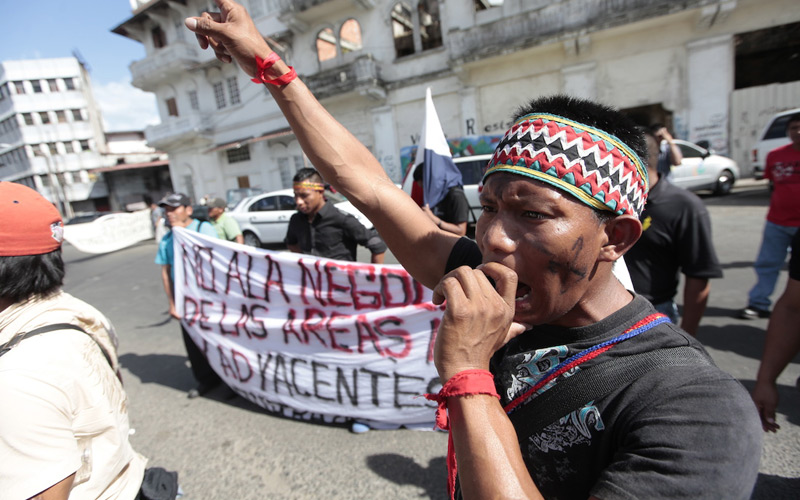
(678,59)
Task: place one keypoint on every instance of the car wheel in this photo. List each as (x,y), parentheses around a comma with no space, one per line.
(724,183)
(252,240)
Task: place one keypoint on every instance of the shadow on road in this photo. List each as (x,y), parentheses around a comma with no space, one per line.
(404,470)
(168,370)
(743,339)
(770,487)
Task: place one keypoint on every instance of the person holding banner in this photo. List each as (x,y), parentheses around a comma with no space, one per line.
(227,227)
(535,321)
(319,228)
(178,208)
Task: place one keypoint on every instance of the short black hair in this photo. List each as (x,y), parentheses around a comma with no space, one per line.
(26,275)
(599,116)
(794,118)
(307,174)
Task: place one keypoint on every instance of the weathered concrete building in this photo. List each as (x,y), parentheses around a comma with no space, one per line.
(711,70)
(51,133)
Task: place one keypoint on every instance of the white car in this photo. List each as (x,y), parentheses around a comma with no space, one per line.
(264,218)
(703,169)
(773,136)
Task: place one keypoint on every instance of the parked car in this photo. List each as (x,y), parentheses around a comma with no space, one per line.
(703,169)
(264,218)
(773,136)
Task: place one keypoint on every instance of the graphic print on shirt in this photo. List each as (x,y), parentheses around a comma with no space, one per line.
(569,430)
(533,367)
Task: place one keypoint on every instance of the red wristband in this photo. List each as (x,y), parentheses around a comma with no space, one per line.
(264,64)
(464,383)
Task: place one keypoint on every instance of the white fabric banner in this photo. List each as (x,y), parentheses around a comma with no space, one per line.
(111,232)
(310,338)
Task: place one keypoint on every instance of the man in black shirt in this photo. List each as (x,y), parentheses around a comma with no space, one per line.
(534,299)
(676,236)
(319,228)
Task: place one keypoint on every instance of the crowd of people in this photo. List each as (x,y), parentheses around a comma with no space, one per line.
(535,317)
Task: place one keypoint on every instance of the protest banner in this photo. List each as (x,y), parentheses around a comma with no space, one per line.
(111,232)
(307,337)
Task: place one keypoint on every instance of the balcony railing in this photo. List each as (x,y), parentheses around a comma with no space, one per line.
(362,75)
(543,21)
(178,129)
(164,64)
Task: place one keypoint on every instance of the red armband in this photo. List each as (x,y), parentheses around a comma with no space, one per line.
(465,383)
(264,64)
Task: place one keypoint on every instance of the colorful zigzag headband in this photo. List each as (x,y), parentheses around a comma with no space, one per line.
(592,165)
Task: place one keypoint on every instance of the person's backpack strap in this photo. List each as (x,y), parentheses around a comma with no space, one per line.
(593,383)
(16,339)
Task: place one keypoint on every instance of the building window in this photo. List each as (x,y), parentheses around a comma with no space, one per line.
(416,30)
(402,30)
(172,107)
(233,90)
(430,24)
(85,145)
(77,115)
(350,36)
(36,150)
(219,95)
(68,147)
(53,147)
(236,155)
(69,83)
(53,84)
(159,37)
(45,179)
(193,101)
(45,116)
(28,118)
(486,4)
(61,116)
(37,86)
(19,87)
(326,45)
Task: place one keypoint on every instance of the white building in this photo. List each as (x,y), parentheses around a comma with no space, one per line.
(51,134)
(711,70)
(135,173)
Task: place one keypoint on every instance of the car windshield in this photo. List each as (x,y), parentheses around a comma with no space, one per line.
(777,129)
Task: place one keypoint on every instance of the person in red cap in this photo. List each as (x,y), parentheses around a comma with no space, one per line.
(63,410)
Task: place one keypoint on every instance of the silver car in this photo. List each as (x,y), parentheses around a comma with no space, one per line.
(703,169)
(264,218)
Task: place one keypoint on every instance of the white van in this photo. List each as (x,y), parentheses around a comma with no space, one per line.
(773,136)
(472,169)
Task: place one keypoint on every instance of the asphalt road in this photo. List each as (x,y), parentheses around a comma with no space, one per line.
(232,449)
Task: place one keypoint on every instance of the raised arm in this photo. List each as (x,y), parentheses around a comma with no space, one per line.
(341,159)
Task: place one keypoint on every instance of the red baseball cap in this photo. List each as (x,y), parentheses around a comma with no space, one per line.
(29,224)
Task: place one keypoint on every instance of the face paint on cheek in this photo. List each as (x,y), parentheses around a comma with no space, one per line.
(571,270)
